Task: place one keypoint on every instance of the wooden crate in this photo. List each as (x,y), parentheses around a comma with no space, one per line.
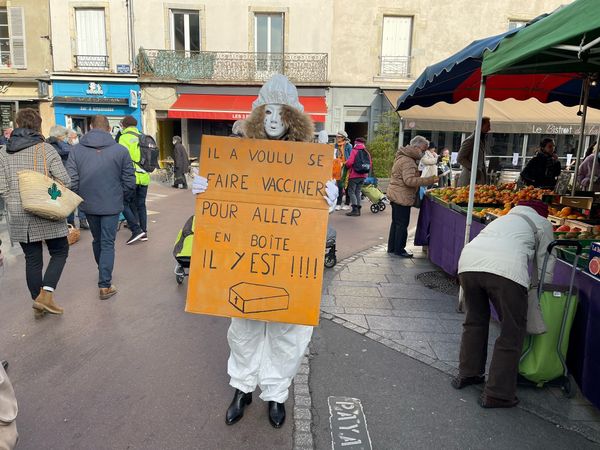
(555,220)
(577,202)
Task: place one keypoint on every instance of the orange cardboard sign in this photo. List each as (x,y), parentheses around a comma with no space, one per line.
(259,237)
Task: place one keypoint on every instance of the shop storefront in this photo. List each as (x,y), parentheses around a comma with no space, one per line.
(517,128)
(211,110)
(77,101)
(16,95)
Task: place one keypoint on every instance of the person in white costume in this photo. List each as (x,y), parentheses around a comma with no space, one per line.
(268,354)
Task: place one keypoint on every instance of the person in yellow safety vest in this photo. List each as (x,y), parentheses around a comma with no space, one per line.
(135,207)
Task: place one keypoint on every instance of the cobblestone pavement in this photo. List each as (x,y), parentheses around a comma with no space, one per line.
(379,296)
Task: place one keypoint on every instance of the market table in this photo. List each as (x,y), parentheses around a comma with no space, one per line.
(443,230)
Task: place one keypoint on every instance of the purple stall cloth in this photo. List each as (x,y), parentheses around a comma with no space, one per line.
(443,230)
(446,228)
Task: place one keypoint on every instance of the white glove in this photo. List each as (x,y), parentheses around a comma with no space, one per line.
(332,192)
(200,184)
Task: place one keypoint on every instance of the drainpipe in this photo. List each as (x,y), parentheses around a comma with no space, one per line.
(130,31)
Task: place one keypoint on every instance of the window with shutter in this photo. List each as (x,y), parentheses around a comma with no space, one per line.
(16,21)
(396,46)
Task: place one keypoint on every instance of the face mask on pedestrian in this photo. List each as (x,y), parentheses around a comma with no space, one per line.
(274,126)
(75,141)
(174,141)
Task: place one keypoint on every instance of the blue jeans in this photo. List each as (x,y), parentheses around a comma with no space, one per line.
(104,231)
(135,211)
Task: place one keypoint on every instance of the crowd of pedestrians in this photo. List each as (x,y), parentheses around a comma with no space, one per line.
(103,171)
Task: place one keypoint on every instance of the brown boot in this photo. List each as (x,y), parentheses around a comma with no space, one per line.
(45,302)
(108,292)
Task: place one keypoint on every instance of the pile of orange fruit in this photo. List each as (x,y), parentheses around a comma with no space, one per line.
(565,213)
(490,194)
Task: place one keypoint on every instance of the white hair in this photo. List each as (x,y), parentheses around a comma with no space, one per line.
(58,131)
(419,140)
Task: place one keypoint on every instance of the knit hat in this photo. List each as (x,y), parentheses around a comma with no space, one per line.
(278,91)
(540,207)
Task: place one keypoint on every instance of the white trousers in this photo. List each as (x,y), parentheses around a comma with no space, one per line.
(267,354)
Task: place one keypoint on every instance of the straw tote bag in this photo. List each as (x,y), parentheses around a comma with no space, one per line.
(44,196)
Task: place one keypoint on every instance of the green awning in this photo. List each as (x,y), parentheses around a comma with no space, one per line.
(551,44)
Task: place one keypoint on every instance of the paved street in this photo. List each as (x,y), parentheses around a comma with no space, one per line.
(409,405)
(137,372)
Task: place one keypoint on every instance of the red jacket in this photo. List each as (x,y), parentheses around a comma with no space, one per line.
(350,162)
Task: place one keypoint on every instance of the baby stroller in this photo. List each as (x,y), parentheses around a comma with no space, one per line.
(377,198)
(330,258)
(183,250)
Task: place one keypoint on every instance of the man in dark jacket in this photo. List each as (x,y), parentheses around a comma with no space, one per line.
(102,174)
(182,163)
(544,168)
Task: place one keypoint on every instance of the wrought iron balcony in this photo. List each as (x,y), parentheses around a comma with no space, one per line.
(395,66)
(237,67)
(91,62)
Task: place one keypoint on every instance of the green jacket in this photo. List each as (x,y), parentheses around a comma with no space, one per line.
(131,143)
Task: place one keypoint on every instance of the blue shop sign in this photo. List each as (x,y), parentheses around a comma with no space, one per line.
(93,89)
(92,97)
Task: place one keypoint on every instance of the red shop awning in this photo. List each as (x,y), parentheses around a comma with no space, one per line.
(233,107)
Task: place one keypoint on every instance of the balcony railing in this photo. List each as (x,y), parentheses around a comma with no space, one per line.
(231,66)
(91,62)
(395,66)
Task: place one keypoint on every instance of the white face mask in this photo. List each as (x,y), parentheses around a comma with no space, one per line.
(274,126)
(75,141)
(174,142)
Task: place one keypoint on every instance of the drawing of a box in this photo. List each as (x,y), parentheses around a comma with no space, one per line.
(257,298)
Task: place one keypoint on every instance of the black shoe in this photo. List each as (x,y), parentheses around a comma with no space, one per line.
(236,410)
(276,414)
(135,237)
(354,212)
(4,364)
(461,382)
(487,402)
(83,224)
(358,210)
(144,238)
(405,254)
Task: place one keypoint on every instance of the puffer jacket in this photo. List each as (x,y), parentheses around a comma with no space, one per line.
(350,162)
(507,245)
(405,177)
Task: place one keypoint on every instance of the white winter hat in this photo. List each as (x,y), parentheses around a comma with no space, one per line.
(278,91)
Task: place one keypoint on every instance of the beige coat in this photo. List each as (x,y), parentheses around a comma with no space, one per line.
(405,177)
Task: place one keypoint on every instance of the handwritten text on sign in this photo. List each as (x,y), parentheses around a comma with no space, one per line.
(259,240)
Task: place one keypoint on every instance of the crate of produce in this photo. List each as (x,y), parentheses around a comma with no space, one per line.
(577,202)
(568,255)
(555,220)
(583,226)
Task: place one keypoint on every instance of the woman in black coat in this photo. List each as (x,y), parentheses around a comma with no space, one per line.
(182,163)
(544,168)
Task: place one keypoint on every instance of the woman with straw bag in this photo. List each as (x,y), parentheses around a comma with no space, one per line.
(26,150)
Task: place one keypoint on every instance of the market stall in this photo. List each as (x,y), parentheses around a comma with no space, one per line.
(441,226)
